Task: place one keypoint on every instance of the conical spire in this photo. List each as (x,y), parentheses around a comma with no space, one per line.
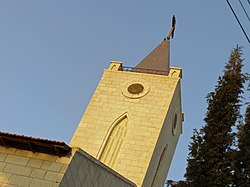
(158,59)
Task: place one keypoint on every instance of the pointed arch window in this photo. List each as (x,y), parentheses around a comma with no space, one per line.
(114,140)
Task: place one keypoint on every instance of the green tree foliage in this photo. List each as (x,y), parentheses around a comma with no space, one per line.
(242,174)
(194,158)
(210,160)
(171,183)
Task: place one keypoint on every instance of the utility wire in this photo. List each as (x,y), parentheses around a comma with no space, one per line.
(248,2)
(244,10)
(238,21)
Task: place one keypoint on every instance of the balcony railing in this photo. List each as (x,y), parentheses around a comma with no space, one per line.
(142,70)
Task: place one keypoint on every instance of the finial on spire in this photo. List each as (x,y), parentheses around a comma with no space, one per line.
(171,32)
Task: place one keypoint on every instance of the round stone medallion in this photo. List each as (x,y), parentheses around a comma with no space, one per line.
(135,88)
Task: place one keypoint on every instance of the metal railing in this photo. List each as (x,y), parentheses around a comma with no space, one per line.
(142,70)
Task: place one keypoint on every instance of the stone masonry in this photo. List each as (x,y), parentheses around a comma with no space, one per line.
(148,116)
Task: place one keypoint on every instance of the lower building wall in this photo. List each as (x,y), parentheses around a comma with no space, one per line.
(25,168)
(86,171)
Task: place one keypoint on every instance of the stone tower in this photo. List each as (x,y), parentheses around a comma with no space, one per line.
(134,119)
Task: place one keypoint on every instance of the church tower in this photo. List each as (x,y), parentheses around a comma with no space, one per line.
(134,119)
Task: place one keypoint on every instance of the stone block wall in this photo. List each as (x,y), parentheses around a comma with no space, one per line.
(25,168)
(86,171)
(146,115)
(166,144)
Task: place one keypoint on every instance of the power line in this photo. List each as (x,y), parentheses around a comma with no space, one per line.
(244,10)
(238,21)
(248,2)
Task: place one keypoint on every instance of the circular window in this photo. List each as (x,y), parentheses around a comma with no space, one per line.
(174,124)
(135,88)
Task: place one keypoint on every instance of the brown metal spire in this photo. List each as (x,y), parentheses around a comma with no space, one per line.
(158,59)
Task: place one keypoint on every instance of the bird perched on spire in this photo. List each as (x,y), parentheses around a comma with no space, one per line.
(171,32)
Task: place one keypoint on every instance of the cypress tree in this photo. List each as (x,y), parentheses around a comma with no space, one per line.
(242,174)
(170,183)
(211,154)
(194,159)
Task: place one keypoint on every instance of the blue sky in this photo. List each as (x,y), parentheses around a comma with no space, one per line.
(52,55)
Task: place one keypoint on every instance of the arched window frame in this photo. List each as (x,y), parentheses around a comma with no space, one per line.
(110,131)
